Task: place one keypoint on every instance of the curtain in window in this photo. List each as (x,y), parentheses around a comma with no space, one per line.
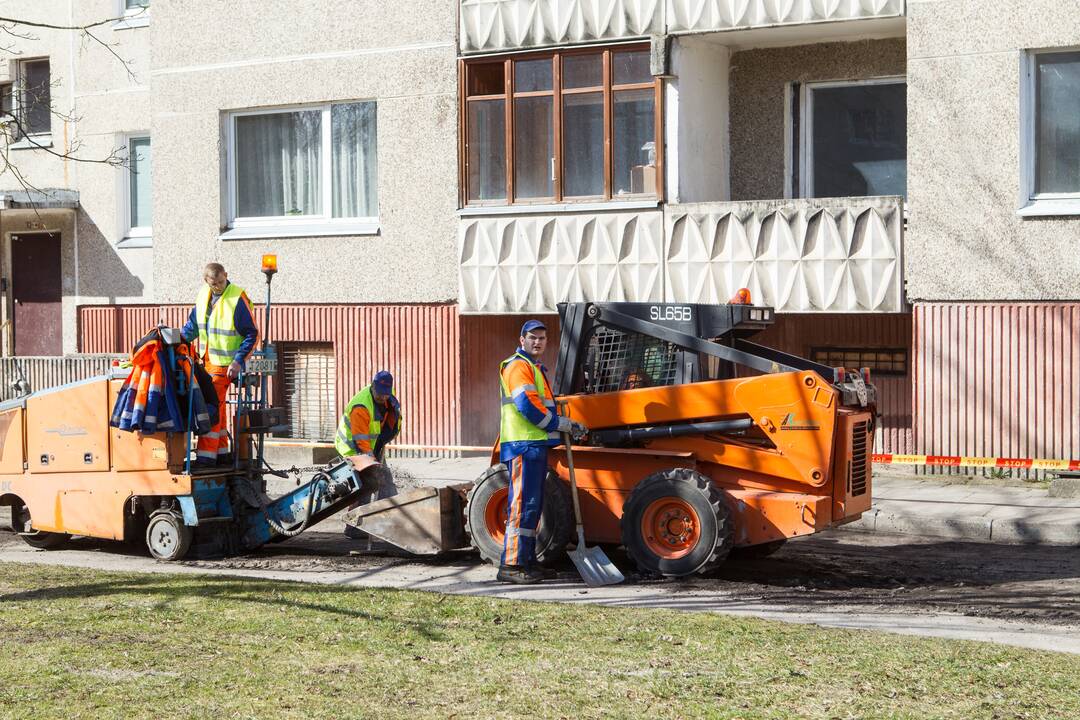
(354,165)
(279,164)
(1058,123)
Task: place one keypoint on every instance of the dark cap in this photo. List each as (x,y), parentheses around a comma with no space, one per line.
(383,383)
(532,325)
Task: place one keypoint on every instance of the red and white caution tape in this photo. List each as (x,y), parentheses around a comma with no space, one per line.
(990,462)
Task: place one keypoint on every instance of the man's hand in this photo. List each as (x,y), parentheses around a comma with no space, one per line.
(234,370)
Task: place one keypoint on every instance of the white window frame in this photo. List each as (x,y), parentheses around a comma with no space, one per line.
(29,141)
(806,123)
(290,225)
(131,236)
(1030,204)
(130,17)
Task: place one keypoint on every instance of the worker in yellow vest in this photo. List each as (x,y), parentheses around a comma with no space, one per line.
(529,425)
(372,418)
(224,324)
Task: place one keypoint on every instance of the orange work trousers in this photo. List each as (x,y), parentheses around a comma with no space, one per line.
(214,445)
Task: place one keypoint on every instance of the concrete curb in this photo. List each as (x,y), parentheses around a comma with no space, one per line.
(973,528)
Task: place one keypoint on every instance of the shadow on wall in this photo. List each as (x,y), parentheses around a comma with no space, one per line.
(102,271)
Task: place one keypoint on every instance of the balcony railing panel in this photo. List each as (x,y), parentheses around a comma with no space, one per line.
(530,263)
(684,16)
(828,255)
(494,25)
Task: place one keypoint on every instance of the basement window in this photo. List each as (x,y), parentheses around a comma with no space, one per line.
(308,374)
(881,361)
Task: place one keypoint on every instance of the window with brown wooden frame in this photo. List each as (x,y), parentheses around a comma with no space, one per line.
(581,125)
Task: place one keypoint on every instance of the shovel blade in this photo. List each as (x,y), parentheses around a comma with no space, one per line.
(594,566)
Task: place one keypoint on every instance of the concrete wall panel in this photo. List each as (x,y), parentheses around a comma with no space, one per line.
(964,155)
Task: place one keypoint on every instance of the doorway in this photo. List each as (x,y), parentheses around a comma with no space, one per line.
(36,293)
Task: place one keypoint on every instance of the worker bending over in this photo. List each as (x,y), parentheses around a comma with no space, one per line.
(530,424)
(370,421)
(223,323)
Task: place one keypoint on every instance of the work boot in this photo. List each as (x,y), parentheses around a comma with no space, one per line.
(518,575)
(545,572)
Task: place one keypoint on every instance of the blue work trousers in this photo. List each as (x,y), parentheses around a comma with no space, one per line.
(524,505)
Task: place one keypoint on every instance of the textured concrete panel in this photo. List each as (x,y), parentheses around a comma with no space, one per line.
(964,155)
(491,25)
(759,85)
(711,15)
(798,256)
(530,263)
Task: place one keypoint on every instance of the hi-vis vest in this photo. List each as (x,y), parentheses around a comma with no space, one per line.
(348,444)
(514,427)
(217,335)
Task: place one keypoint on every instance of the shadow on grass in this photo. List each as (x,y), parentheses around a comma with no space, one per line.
(257,592)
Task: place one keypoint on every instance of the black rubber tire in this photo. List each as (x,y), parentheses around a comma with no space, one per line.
(167,537)
(40,540)
(556,519)
(717,526)
(757,552)
(46,540)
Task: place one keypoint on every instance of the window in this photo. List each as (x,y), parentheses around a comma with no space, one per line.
(34,102)
(853,139)
(308,385)
(133,13)
(137,176)
(886,361)
(7,105)
(1051,128)
(136,5)
(580,125)
(310,170)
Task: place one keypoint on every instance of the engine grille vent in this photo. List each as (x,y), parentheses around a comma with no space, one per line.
(859,459)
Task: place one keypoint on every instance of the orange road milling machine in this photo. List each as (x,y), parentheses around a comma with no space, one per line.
(64,470)
(701,444)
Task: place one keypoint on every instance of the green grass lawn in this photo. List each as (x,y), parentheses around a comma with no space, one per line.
(79,643)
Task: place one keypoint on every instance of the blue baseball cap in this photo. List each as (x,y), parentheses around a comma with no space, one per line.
(532,325)
(383,382)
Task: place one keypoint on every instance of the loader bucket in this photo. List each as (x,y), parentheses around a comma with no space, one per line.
(426,521)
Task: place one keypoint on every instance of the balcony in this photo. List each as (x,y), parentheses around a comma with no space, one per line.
(818,255)
(500,25)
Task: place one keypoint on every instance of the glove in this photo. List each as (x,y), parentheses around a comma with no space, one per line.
(578,431)
(565,425)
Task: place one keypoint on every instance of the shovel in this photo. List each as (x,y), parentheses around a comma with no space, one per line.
(593,565)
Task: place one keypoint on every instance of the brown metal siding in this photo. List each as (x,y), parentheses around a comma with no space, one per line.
(418,343)
(998,380)
(486,340)
(799,333)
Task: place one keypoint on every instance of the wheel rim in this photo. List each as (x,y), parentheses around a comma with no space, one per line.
(670,528)
(495,514)
(164,538)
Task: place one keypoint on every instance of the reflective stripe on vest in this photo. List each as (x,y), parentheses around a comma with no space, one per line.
(218,337)
(345,442)
(514,427)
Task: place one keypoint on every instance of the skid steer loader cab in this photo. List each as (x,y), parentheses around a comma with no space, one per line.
(702,442)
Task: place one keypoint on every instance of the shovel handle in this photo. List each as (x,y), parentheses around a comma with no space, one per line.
(567,442)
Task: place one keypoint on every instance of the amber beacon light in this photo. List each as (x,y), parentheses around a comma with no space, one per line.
(742,297)
(269,265)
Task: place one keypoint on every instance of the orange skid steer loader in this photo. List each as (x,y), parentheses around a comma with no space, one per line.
(701,443)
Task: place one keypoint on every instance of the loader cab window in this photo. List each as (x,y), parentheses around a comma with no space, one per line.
(616,360)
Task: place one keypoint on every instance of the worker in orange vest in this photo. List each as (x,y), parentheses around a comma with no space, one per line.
(224,324)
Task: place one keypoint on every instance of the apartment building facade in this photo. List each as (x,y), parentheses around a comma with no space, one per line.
(895,178)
